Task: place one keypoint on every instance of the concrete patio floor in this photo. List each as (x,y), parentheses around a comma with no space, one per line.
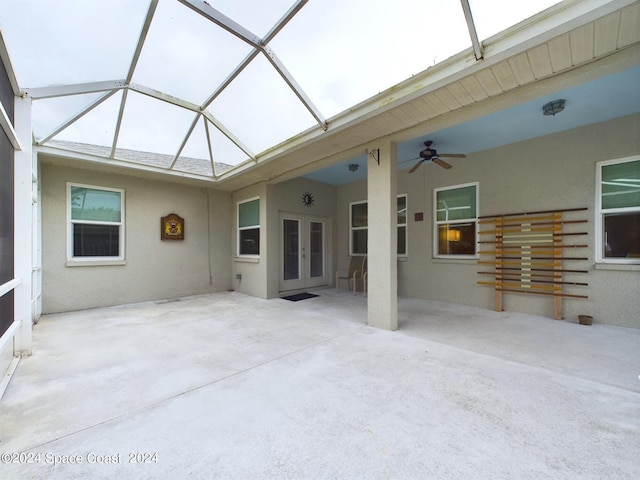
(233,387)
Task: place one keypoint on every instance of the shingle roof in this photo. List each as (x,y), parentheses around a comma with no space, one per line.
(186,164)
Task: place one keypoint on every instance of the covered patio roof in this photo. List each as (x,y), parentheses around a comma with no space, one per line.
(262,116)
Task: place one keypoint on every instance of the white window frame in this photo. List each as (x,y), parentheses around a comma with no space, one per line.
(437,223)
(600,213)
(112,260)
(249,227)
(352,228)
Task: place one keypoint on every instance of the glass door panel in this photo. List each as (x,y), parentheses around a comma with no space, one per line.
(316,249)
(291,249)
(305,259)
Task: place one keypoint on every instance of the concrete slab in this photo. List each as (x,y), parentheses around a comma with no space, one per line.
(233,387)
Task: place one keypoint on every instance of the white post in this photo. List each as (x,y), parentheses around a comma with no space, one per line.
(382,283)
(23,227)
(36,239)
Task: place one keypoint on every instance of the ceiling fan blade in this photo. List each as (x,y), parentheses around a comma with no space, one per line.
(415,167)
(452,155)
(442,163)
(410,160)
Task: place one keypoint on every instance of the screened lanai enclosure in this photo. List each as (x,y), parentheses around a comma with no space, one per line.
(287,137)
(208,86)
(173,172)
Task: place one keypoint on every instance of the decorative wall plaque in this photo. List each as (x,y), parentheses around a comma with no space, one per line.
(307,199)
(172,227)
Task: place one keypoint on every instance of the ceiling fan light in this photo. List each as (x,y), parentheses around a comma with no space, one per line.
(553,107)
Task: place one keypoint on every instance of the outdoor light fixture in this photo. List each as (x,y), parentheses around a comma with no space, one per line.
(553,107)
(353,167)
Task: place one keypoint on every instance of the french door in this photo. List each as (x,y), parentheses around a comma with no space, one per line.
(303,251)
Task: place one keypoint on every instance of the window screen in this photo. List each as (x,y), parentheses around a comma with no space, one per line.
(6,227)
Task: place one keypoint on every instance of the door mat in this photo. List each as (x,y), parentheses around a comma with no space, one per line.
(300,296)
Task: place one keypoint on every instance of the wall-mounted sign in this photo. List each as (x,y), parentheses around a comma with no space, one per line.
(172,227)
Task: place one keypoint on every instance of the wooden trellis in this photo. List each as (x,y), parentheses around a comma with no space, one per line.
(533,253)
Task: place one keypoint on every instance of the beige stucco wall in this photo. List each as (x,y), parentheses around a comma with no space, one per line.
(249,274)
(557,171)
(553,172)
(154,269)
(260,277)
(286,197)
(352,192)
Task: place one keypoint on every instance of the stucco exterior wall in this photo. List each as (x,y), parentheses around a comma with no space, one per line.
(352,192)
(552,172)
(249,274)
(286,197)
(154,269)
(260,277)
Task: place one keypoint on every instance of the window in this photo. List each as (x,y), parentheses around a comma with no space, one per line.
(402,225)
(96,223)
(359,225)
(456,218)
(249,227)
(618,205)
(359,218)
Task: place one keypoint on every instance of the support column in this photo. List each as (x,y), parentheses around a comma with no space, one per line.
(382,284)
(23,227)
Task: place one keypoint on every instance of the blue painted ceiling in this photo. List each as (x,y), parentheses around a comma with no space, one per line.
(600,100)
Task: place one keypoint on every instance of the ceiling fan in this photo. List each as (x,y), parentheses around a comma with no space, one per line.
(431,155)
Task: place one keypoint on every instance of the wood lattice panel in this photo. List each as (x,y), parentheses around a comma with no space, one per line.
(534,253)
